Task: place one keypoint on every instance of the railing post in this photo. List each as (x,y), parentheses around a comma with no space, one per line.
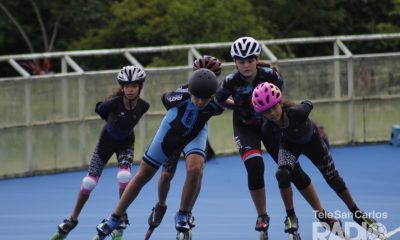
(350,95)
(28,122)
(336,85)
(82,132)
(65,108)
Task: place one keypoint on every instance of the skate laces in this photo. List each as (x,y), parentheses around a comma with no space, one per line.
(107,225)
(67,225)
(262,223)
(291,224)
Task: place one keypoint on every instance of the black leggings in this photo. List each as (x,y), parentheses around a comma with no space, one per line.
(317,151)
(248,140)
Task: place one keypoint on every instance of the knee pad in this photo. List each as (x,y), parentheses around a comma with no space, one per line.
(284,176)
(88,184)
(337,184)
(299,178)
(123,176)
(255,173)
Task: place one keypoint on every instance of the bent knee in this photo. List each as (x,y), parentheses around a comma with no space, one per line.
(284,176)
(88,184)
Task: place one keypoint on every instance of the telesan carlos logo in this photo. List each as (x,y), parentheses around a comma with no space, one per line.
(347,228)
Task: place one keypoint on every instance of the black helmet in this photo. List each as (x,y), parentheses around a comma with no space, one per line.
(203,83)
(208,62)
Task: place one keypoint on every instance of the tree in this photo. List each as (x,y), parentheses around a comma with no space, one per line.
(157,22)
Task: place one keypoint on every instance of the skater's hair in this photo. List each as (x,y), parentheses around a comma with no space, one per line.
(115,92)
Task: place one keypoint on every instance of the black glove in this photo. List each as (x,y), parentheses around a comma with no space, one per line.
(309,103)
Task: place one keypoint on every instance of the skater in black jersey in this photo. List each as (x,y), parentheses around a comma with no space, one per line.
(247,124)
(121,111)
(300,135)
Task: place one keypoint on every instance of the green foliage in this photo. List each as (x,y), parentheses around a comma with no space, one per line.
(80,24)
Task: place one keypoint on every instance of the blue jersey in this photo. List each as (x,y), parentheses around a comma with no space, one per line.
(183,116)
(183,129)
(241,91)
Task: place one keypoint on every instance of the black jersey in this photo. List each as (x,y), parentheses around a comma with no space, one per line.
(120,121)
(241,91)
(300,127)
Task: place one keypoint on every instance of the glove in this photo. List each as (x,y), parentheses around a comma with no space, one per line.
(309,103)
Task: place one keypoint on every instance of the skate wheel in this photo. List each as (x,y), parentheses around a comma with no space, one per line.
(263,235)
(57,236)
(97,237)
(184,235)
(116,234)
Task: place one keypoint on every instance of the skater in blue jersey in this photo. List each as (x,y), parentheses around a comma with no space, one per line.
(183,129)
(169,166)
(300,135)
(121,111)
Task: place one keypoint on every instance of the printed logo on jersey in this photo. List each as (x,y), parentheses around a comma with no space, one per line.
(174,98)
(237,142)
(190,116)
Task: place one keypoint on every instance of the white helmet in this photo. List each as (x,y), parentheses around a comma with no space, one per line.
(245,47)
(131,74)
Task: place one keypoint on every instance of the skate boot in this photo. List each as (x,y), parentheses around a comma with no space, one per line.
(155,218)
(369,224)
(123,224)
(106,227)
(64,228)
(184,231)
(262,225)
(330,223)
(182,221)
(157,215)
(291,227)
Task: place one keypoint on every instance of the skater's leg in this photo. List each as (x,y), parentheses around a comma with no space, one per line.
(143,175)
(191,206)
(194,172)
(102,153)
(164,183)
(255,182)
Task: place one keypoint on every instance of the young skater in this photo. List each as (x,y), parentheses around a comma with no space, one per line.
(169,166)
(247,123)
(183,129)
(300,135)
(121,111)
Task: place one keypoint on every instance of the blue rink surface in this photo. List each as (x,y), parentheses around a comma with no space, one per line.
(31,208)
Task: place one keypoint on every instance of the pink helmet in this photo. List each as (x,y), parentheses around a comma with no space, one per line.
(265,96)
